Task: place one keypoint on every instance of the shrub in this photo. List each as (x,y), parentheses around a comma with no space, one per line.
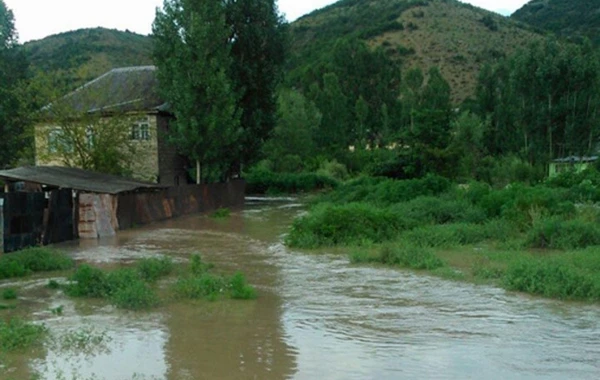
(240,289)
(9,294)
(563,234)
(17,334)
(552,277)
(32,260)
(135,295)
(383,191)
(88,281)
(331,225)
(441,210)
(409,257)
(204,285)
(221,213)
(124,287)
(153,269)
(262,181)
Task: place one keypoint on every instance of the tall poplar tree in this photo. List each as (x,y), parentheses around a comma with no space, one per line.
(192,53)
(258,44)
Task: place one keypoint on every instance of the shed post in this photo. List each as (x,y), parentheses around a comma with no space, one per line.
(1,226)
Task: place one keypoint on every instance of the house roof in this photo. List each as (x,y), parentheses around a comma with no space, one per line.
(574,159)
(126,89)
(76,179)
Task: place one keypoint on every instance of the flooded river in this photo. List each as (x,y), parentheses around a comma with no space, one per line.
(317,317)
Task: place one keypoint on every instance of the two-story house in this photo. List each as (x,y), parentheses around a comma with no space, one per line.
(130,94)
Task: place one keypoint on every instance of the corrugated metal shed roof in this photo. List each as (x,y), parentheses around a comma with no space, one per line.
(76,179)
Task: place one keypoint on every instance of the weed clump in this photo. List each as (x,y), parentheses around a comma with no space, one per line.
(17,334)
(31,260)
(153,269)
(221,213)
(552,278)
(200,283)
(125,288)
(9,294)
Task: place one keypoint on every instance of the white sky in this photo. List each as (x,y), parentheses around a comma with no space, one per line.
(37,19)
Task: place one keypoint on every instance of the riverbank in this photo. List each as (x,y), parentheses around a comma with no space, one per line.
(543,239)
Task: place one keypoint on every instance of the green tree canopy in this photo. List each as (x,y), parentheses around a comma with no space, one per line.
(192,53)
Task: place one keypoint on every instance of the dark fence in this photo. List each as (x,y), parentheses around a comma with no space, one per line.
(143,208)
(30,219)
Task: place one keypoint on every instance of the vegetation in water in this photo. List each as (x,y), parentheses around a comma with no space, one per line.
(9,294)
(32,260)
(15,334)
(471,232)
(221,213)
(200,283)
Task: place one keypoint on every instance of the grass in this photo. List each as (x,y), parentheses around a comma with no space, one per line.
(9,294)
(33,260)
(221,213)
(134,288)
(200,283)
(19,335)
(535,239)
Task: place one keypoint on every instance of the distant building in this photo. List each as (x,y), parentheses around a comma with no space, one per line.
(572,163)
(132,93)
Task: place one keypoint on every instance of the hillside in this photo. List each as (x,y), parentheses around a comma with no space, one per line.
(456,37)
(573,19)
(85,54)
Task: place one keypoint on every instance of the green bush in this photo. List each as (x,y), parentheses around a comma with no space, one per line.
(552,277)
(383,191)
(18,335)
(135,295)
(262,181)
(125,288)
(331,225)
(88,281)
(153,269)
(204,285)
(451,235)
(221,213)
(23,263)
(240,289)
(441,210)
(408,256)
(9,294)
(556,233)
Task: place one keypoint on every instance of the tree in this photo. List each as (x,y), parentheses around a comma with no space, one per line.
(192,53)
(258,37)
(298,118)
(13,71)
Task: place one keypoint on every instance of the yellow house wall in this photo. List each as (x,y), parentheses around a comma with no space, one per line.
(144,162)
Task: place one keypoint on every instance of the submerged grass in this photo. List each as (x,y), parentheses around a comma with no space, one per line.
(132,288)
(32,260)
(17,334)
(9,294)
(200,283)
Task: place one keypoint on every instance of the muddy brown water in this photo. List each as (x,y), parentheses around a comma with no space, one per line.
(317,317)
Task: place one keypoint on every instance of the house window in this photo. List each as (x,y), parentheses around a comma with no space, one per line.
(58,142)
(140,130)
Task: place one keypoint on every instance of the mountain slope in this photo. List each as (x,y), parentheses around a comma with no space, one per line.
(573,19)
(456,37)
(84,54)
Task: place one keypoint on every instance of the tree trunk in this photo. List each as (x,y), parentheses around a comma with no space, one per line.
(198,173)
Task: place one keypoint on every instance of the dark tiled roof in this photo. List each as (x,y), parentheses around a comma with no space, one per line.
(120,90)
(76,179)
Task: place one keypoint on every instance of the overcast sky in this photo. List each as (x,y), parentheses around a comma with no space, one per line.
(37,19)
